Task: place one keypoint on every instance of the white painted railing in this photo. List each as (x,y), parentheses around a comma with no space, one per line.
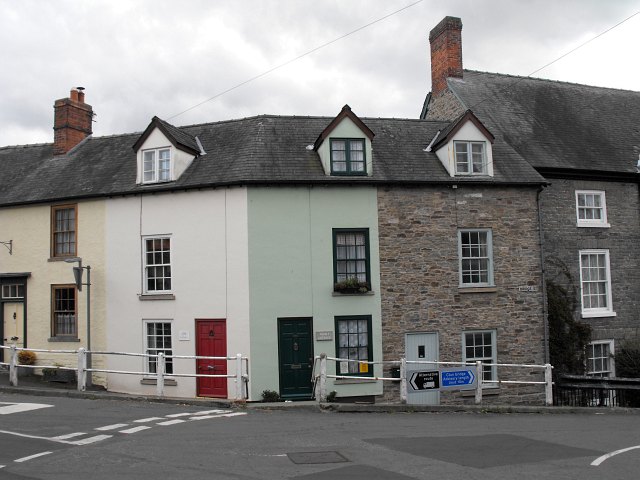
(240,372)
(320,375)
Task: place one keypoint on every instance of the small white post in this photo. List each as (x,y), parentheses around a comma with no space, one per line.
(239,389)
(160,375)
(548,388)
(479,384)
(403,380)
(82,369)
(13,366)
(323,377)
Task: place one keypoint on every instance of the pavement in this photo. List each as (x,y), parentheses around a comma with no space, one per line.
(36,386)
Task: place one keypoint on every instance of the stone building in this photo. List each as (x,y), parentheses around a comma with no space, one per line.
(460,260)
(585,142)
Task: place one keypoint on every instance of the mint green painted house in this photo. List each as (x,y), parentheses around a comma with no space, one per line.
(295,312)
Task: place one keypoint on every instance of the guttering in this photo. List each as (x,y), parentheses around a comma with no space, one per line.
(545,312)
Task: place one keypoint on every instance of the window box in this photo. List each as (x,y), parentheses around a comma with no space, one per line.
(351,286)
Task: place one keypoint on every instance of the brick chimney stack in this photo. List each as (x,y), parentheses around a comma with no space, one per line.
(72,121)
(446,53)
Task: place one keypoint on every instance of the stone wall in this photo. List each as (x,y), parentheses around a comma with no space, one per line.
(420,284)
(563,241)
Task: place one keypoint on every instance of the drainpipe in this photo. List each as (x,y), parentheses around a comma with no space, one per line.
(545,313)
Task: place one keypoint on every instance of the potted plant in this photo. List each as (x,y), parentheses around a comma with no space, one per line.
(26,357)
(351,285)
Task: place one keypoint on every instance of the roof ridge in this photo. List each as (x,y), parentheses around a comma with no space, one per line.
(528,77)
(25,145)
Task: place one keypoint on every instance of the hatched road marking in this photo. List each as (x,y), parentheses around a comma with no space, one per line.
(67,438)
(135,429)
(112,427)
(31,457)
(20,407)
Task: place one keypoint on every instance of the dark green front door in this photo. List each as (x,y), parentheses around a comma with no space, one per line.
(295,351)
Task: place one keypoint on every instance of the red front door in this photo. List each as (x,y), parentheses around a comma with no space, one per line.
(212,342)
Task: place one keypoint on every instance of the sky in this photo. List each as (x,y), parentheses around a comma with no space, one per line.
(140,58)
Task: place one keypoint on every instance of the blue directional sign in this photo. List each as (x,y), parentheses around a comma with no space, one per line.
(460,377)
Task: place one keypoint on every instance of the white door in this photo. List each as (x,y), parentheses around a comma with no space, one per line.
(422,346)
(13,324)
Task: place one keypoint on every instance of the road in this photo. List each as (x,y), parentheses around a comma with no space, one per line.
(64,438)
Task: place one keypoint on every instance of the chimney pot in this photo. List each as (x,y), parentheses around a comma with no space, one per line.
(446,53)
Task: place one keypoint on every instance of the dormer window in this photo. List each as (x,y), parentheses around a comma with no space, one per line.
(156,165)
(348,156)
(470,158)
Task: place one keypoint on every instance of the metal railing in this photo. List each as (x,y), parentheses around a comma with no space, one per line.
(320,375)
(240,374)
(588,391)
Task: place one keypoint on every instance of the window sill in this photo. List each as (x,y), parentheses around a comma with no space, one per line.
(355,294)
(598,314)
(477,289)
(61,258)
(63,338)
(168,382)
(156,296)
(593,225)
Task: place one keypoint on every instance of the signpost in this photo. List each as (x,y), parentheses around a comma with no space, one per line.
(460,377)
(464,377)
(425,380)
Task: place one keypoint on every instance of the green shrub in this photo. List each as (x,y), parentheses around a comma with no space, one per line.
(270,396)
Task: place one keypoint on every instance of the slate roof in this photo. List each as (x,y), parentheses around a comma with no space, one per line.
(556,125)
(262,150)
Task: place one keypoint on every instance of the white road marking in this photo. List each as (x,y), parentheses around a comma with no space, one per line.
(35,437)
(208,412)
(147,420)
(112,427)
(601,459)
(87,441)
(236,414)
(176,415)
(21,407)
(31,457)
(205,417)
(170,422)
(135,429)
(68,436)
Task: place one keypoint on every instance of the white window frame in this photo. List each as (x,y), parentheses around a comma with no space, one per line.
(13,291)
(600,222)
(493,359)
(148,362)
(146,265)
(489,258)
(470,158)
(590,356)
(592,312)
(157,173)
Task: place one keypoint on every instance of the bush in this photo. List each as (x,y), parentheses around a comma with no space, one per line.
(26,357)
(270,396)
(628,359)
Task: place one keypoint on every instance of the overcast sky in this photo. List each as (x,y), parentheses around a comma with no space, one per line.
(140,58)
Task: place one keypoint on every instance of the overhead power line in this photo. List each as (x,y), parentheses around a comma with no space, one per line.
(273,69)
